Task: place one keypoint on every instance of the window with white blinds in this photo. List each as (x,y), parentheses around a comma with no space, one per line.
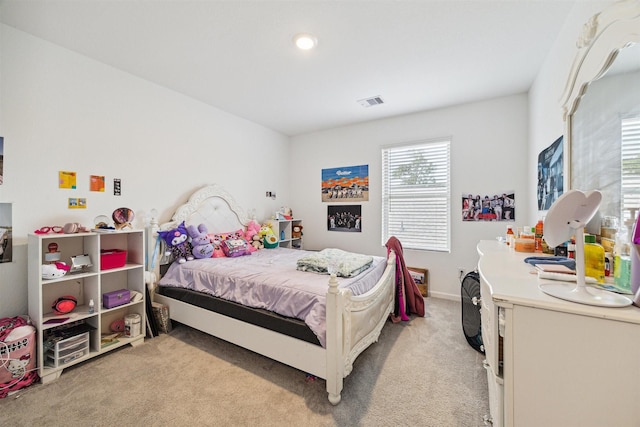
(416,195)
(630,179)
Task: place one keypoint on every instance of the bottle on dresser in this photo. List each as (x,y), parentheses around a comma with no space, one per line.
(622,260)
(510,236)
(539,233)
(593,258)
(635,256)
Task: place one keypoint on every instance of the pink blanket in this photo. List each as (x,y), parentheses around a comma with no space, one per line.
(409,300)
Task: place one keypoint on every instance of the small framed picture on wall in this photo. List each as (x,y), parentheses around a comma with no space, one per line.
(347,218)
(419,276)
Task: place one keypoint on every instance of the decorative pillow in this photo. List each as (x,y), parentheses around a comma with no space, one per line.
(231,235)
(235,247)
(217,247)
(218,238)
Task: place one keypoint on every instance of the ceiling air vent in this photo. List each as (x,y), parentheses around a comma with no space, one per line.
(370,102)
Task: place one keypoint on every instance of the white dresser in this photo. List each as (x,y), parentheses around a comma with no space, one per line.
(552,362)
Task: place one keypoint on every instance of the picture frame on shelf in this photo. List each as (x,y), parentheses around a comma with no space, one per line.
(420,276)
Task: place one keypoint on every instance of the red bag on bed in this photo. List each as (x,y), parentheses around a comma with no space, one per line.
(17,355)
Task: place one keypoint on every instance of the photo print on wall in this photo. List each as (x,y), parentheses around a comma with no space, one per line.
(345,184)
(67,179)
(96,183)
(550,175)
(500,206)
(1,160)
(346,218)
(6,231)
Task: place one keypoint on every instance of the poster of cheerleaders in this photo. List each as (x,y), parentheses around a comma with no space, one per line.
(497,206)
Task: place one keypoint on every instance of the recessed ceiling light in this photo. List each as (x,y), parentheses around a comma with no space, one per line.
(305,41)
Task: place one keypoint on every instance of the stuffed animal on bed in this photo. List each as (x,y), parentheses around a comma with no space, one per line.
(201,245)
(253,230)
(269,238)
(256,242)
(217,246)
(178,245)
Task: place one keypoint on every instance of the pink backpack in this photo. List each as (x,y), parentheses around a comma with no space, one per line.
(17,355)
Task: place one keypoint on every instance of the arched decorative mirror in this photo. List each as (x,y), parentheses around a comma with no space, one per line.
(601,107)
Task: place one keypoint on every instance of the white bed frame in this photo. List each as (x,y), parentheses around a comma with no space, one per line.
(353,322)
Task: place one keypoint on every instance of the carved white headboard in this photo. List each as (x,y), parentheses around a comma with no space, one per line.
(212,206)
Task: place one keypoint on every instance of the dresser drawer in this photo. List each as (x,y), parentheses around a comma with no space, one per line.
(496,398)
(489,316)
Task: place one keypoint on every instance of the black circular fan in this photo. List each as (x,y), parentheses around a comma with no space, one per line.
(471,321)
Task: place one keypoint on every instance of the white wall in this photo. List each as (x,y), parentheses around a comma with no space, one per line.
(63,111)
(488,154)
(545,115)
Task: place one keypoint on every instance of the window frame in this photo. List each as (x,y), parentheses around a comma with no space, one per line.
(438,153)
(630,168)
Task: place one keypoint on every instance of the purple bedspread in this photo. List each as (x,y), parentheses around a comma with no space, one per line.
(268,279)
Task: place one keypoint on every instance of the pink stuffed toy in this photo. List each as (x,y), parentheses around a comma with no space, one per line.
(253,228)
(217,247)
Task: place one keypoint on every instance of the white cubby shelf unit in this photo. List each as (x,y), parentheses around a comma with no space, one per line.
(86,285)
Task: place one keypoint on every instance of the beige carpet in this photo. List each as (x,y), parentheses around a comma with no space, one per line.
(420,373)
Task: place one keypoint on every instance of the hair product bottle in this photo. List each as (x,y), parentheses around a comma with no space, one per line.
(593,258)
(635,256)
(539,234)
(622,260)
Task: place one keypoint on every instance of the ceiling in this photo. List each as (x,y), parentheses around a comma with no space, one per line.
(238,55)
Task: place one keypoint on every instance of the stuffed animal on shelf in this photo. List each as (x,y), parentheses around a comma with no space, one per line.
(269,238)
(201,245)
(296,231)
(55,270)
(252,235)
(178,245)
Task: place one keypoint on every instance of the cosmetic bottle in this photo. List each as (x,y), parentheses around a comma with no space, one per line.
(622,260)
(593,258)
(510,236)
(539,231)
(571,248)
(635,256)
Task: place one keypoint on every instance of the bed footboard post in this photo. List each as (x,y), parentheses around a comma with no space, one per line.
(334,341)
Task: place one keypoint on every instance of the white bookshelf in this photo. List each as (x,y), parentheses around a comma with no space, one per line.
(90,284)
(283,229)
